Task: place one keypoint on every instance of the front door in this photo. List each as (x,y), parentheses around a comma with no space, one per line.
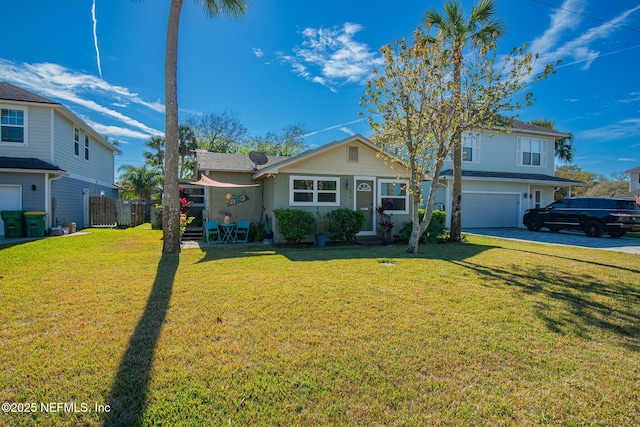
(364,188)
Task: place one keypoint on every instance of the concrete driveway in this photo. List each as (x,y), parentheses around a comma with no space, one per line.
(629,245)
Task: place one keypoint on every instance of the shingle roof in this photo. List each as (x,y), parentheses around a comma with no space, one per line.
(634,170)
(519,125)
(225,162)
(513,176)
(10,92)
(26,163)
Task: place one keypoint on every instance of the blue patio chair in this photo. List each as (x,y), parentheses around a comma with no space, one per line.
(211,231)
(242,231)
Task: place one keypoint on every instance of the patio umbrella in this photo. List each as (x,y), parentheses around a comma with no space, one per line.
(210,182)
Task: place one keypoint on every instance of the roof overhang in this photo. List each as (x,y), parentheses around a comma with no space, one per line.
(35,171)
(536,179)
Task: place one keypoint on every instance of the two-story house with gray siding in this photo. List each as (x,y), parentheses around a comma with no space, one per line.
(504,174)
(50,160)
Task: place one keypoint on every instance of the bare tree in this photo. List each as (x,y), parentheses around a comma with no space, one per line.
(217,132)
(421,115)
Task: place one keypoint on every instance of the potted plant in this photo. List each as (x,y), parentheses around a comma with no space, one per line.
(227,214)
(385,225)
(268,231)
(322,225)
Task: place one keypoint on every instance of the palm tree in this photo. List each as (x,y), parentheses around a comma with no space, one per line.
(171,202)
(187,143)
(140,182)
(564,145)
(479,29)
(155,159)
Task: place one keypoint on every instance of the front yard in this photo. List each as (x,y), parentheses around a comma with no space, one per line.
(101,328)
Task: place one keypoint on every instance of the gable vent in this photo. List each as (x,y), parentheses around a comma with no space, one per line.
(353,153)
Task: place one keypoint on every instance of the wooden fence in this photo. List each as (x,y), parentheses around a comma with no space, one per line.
(102,212)
(108,212)
(130,213)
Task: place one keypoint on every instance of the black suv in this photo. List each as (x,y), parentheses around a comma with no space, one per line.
(594,215)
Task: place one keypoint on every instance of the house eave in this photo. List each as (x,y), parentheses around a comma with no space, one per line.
(35,171)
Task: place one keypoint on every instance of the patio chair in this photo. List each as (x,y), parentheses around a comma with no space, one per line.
(211,231)
(242,231)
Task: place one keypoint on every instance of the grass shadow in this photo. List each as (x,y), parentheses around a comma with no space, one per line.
(304,252)
(577,304)
(128,397)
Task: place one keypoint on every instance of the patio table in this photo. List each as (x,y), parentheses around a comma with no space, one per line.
(227,232)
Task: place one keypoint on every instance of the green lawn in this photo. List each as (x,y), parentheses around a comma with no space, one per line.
(491,332)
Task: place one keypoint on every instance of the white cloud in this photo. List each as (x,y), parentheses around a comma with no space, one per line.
(259,53)
(347,130)
(577,50)
(72,87)
(331,57)
(620,130)
(340,126)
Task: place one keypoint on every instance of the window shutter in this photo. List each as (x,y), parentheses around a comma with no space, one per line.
(518,151)
(476,148)
(543,153)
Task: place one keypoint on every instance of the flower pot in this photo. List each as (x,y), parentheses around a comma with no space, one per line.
(321,240)
(227,220)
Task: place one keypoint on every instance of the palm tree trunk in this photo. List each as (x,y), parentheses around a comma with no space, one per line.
(456,210)
(171,201)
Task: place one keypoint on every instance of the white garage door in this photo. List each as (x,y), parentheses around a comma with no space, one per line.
(10,200)
(489,210)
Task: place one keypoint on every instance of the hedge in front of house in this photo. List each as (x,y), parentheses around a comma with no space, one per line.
(345,224)
(294,224)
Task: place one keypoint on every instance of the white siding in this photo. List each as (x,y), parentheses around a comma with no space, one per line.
(98,168)
(38,134)
(498,152)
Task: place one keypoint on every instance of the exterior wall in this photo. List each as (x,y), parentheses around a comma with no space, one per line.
(634,182)
(68,200)
(524,190)
(31,200)
(100,165)
(335,162)
(37,131)
(251,209)
(498,152)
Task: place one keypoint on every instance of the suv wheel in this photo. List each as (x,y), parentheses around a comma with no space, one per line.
(534,224)
(593,228)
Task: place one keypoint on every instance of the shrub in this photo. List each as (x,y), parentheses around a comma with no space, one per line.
(294,224)
(435,230)
(256,232)
(345,224)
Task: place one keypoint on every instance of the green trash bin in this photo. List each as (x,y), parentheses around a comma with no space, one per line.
(34,223)
(13,223)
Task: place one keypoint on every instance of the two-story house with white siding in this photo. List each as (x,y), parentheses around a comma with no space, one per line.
(50,160)
(504,174)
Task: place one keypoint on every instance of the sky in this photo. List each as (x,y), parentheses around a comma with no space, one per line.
(291,62)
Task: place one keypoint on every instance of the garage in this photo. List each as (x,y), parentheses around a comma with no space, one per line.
(490,210)
(10,200)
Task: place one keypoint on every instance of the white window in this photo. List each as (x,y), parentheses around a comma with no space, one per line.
(314,191)
(86,147)
(12,124)
(76,141)
(531,152)
(393,196)
(471,148)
